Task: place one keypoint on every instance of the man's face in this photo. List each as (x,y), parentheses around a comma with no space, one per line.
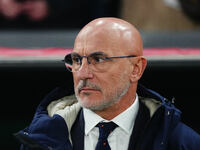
(98,90)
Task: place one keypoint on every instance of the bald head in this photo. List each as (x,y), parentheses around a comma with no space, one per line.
(110,34)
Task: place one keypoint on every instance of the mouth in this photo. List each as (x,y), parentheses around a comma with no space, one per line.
(87,89)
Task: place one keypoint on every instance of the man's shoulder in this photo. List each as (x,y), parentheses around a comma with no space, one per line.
(184,136)
(52,122)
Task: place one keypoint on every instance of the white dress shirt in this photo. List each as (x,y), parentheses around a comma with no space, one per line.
(119,138)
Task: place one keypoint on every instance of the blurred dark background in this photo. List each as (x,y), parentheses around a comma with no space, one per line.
(163,24)
(49,14)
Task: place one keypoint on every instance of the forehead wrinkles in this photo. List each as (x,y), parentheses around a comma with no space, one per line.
(93,40)
(81,41)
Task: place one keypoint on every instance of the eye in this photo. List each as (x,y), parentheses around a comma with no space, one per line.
(98,59)
(76,59)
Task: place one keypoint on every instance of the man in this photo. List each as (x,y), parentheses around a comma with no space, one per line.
(107,62)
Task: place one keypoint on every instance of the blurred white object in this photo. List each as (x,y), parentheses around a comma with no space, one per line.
(173,3)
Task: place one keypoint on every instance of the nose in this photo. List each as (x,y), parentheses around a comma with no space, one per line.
(84,72)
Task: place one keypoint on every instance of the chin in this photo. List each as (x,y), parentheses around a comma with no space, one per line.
(95,104)
(91,103)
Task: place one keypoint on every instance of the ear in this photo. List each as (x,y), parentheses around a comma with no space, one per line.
(139,66)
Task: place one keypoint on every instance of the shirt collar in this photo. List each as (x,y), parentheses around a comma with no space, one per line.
(91,120)
(125,120)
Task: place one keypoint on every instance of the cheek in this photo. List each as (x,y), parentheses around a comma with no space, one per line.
(118,79)
(109,82)
(121,71)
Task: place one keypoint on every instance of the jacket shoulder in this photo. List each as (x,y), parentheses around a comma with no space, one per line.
(184,137)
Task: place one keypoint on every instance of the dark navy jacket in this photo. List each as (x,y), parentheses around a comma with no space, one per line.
(158,130)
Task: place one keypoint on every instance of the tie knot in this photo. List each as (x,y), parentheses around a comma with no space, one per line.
(105,128)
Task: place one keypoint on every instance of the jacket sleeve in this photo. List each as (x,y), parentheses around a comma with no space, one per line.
(184,138)
(45,132)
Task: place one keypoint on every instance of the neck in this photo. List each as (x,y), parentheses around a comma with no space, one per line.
(125,102)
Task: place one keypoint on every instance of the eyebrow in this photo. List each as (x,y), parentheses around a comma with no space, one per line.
(74,53)
(99,53)
(94,53)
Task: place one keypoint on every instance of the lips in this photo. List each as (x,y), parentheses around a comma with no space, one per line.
(87,89)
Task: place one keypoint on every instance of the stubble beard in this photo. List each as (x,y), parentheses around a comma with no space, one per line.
(108,100)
